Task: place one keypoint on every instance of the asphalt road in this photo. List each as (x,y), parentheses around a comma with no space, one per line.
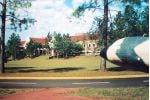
(28,83)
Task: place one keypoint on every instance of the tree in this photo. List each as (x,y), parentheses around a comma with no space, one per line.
(94,4)
(145,21)
(9,7)
(77,48)
(129,23)
(13,45)
(104,33)
(65,47)
(32,48)
(103,26)
(61,44)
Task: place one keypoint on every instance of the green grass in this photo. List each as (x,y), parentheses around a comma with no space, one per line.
(73,67)
(44,62)
(130,93)
(12,91)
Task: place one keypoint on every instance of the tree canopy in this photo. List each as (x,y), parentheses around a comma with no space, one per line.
(133,20)
(8,14)
(32,48)
(13,45)
(63,46)
(13,17)
(130,22)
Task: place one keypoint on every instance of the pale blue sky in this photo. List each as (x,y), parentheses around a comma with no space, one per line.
(68,3)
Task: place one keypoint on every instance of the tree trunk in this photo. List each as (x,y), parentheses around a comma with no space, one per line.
(3,20)
(104,34)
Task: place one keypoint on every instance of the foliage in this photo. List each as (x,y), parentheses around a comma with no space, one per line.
(87,5)
(129,23)
(145,21)
(45,46)
(134,2)
(133,21)
(96,26)
(17,21)
(8,13)
(13,45)
(65,47)
(49,37)
(32,48)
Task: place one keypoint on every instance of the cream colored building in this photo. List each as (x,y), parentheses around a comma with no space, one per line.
(90,45)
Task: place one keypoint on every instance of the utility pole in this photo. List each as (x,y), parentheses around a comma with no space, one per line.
(104,34)
(2,40)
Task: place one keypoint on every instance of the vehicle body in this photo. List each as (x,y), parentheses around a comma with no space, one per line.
(128,51)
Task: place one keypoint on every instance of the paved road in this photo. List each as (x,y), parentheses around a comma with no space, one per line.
(28,83)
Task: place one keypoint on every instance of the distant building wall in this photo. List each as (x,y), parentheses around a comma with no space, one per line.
(89,43)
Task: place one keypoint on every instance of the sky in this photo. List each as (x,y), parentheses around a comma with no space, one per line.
(56,15)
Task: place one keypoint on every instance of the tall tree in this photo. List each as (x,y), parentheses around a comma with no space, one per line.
(13,45)
(96,5)
(130,22)
(9,7)
(145,20)
(61,44)
(104,33)
(2,42)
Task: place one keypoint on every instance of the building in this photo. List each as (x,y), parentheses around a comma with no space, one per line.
(42,41)
(80,37)
(39,40)
(89,42)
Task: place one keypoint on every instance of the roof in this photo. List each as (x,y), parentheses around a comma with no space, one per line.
(80,37)
(84,36)
(39,40)
(22,43)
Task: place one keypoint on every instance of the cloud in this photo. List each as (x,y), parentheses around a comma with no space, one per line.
(55,15)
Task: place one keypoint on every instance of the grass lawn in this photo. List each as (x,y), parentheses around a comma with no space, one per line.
(129,93)
(4,91)
(58,67)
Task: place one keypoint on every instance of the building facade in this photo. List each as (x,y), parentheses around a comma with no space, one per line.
(88,41)
(42,41)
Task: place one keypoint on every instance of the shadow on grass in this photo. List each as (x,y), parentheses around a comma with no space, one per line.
(30,69)
(119,69)
(16,69)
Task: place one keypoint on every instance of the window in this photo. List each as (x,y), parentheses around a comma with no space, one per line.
(89,45)
(93,45)
(83,45)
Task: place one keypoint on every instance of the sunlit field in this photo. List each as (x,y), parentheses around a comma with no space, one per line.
(72,67)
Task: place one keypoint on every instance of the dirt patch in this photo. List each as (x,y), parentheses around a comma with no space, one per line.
(48,94)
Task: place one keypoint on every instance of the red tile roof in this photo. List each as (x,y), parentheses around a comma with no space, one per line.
(22,43)
(39,40)
(80,37)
